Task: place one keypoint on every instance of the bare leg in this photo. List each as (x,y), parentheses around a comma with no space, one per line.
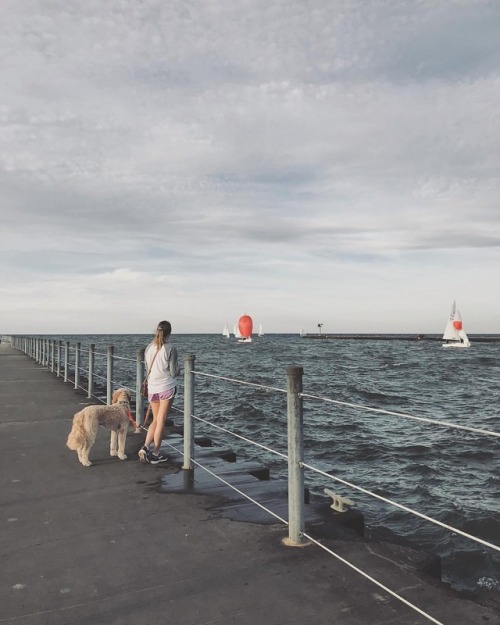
(155,431)
(151,429)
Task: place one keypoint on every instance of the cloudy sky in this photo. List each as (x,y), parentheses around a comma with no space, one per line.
(302,161)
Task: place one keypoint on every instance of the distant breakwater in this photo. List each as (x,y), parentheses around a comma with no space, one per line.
(397,337)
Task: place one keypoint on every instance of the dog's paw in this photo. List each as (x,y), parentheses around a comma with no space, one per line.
(86,463)
(122,456)
(113,452)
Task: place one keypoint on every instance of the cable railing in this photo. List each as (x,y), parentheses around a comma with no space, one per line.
(84,371)
(49,353)
(339,479)
(296,464)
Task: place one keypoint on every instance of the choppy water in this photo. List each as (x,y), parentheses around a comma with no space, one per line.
(450,475)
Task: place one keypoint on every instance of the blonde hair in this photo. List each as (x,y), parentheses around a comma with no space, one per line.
(163,331)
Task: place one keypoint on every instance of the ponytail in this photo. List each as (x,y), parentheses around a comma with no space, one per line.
(163,331)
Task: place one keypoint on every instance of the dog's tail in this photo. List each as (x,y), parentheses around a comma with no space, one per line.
(77,434)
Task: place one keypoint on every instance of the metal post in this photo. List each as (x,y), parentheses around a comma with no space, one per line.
(109,381)
(91,370)
(139,377)
(295,456)
(52,343)
(189,360)
(59,358)
(77,364)
(66,358)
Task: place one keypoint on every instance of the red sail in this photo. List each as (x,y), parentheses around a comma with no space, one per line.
(457,324)
(245,326)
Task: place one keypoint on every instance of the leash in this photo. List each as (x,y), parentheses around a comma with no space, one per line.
(141,427)
(131,419)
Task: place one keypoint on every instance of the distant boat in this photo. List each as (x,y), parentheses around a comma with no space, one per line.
(236,331)
(226,332)
(454,334)
(302,332)
(245,326)
(261,331)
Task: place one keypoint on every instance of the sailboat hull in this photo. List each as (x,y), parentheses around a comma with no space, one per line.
(456,345)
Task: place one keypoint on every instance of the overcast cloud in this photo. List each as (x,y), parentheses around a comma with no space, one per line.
(300,161)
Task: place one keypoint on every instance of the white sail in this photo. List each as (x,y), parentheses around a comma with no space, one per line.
(236,331)
(454,334)
(261,331)
(450,332)
(226,332)
(464,338)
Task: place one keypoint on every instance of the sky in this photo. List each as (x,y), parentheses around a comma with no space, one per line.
(300,161)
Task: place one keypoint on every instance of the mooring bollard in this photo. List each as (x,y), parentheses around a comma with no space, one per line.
(295,456)
(189,360)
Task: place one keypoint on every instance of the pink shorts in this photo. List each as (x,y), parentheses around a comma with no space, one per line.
(156,397)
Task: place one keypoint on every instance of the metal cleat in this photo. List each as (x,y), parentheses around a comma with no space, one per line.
(339,503)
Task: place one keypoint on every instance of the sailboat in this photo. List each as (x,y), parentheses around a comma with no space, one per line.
(261,331)
(454,334)
(226,332)
(245,327)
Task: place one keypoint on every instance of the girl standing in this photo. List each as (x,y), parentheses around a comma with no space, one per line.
(163,368)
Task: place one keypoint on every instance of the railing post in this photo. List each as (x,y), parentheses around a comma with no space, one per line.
(109,376)
(66,359)
(59,357)
(91,370)
(139,377)
(189,360)
(295,456)
(77,364)
(52,344)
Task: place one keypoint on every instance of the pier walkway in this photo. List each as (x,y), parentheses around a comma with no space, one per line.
(103,545)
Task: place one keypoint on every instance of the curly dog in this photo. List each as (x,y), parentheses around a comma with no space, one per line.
(87,421)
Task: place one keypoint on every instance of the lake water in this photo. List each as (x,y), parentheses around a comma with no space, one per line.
(450,475)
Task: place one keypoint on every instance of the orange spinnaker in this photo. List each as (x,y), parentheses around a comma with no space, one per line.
(245,326)
(457,325)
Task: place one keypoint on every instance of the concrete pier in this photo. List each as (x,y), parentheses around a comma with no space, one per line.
(105,544)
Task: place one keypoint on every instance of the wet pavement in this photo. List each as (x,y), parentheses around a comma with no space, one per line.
(108,545)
